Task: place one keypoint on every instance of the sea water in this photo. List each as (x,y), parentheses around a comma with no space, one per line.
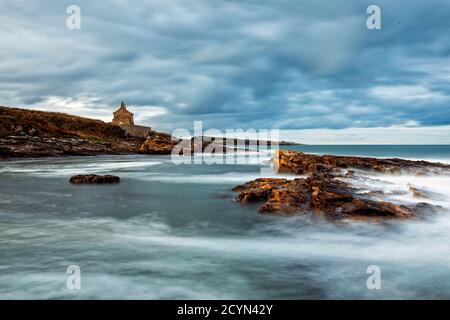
(172,231)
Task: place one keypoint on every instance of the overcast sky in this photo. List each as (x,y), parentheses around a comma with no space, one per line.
(285,64)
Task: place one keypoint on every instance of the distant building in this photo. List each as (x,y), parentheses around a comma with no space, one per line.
(122,115)
(125,120)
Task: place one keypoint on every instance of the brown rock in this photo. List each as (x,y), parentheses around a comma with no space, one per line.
(300,163)
(321,193)
(166,144)
(258,190)
(158,143)
(93,178)
(156,147)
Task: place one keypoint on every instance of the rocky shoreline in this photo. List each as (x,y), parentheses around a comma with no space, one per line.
(31,133)
(302,163)
(325,185)
(159,143)
(35,147)
(329,190)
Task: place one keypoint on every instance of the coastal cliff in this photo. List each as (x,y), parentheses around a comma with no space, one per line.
(31,133)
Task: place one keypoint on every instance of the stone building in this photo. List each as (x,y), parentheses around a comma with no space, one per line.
(125,120)
(122,115)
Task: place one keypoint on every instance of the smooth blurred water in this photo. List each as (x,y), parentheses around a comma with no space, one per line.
(173,231)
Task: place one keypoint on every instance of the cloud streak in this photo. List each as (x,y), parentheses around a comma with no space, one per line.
(233,64)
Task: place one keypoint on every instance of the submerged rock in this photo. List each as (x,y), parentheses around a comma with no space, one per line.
(93,178)
(423,193)
(418,193)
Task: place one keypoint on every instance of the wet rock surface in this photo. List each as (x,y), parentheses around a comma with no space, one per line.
(161,143)
(328,189)
(323,194)
(158,143)
(301,163)
(34,146)
(94,179)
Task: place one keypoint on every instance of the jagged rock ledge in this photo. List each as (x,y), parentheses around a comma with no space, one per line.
(28,133)
(162,143)
(301,163)
(33,146)
(325,192)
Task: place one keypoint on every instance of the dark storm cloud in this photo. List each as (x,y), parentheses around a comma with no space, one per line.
(284,64)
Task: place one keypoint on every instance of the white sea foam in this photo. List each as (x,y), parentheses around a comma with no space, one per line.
(69,169)
(338,256)
(223,178)
(398,188)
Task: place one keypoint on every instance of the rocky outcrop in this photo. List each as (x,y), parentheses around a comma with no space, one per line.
(327,189)
(323,194)
(301,163)
(156,147)
(31,133)
(158,143)
(161,143)
(94,179)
